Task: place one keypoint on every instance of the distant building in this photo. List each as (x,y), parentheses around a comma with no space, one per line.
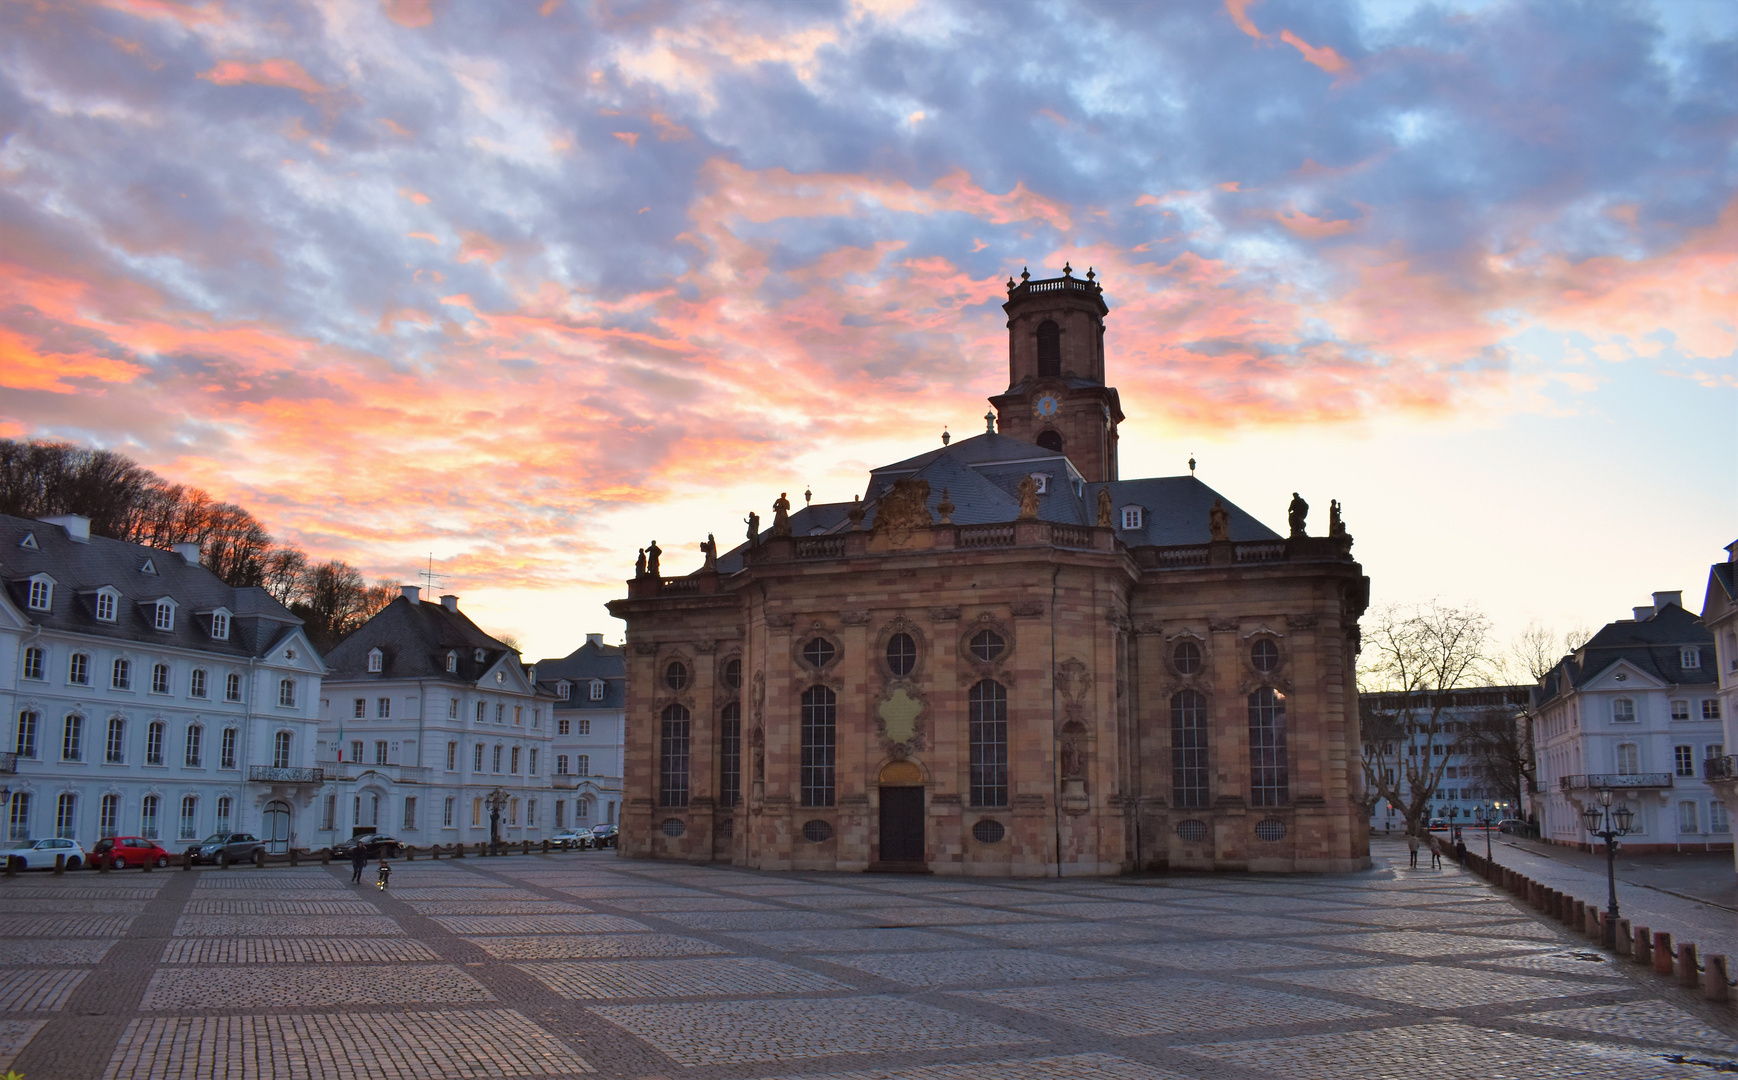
(589,687)
(425,717)
(1720,617)
(1635,711)
(1463,792)
(149,698)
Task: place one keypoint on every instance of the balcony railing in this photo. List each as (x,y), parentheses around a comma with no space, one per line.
(271,774)
(8,763)
(1720,768)
(1615,781)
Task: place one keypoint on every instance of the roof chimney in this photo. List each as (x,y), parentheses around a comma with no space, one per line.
(450,602)
(76,525)
(1643,614)
(1661,599)
(189,553)
(594,639)
(413,593)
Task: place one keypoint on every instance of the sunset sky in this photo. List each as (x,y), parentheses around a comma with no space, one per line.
(526,287)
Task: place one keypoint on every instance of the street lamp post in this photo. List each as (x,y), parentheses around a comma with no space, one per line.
(1485,823)
(497,801)
(1608,824)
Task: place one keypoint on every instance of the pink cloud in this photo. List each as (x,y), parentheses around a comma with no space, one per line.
(280,72)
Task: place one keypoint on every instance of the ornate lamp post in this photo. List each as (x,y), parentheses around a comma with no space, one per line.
(1608,824)
(1485,823)
(497,802)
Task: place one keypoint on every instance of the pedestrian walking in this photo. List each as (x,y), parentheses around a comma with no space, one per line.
(358,860)
(1435,854)
(384,874)
(1460,851)
(1412,846)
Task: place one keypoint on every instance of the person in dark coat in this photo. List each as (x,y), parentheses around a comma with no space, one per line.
(358,860)
(1460,851)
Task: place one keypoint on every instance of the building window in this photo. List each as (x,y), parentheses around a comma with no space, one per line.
(356,751)
(987,646)
(287,693)
(447,812)
(226,749)
(518,716)
(531,769)
(730,755)
(154,742)
(1264,654)
(584,726)
(1680,710)
(358,708)
(495,762)
(561,725)
(901,654)
(66,816)
(1186,657)
(232,687)
(189,818)
(33,658)
(596,689)
(106,606)
(582,765)
(220,625)
(383,708)
(987,733)
(25,744)
(159,678)
(676,675)
(109,816)
(561,765)
(563,690)
(452,708)
(1710,708)
(72,738)
(148,817)
(281,750)
(733,674)
(819,713)
(78,669)
(1628,759)
(410,812)
(560,813)
(1717,820)
(1623,710)
(195,739)
(1188,749)
(477,758)
(481,706)
(1131,517)
(380,752)
(165,619)
(513,812)
(513,766)
(375,661)
(476,813)
(452,661)
(1269,775)
(1687,817)
(500,713)
(121,676)
(673,756)
(20,818)
(1691,658)
(1049,350)
(452,757)
(223,806)
(196,683)
(1685,759)
(115,753)
(41,595)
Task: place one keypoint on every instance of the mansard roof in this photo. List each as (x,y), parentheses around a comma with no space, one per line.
(80,567)
(414,637)
(579,667)
(1653,645)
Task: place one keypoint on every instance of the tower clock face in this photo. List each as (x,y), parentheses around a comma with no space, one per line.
(1045,407)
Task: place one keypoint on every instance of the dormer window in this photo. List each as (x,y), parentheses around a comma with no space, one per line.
(452,661)
(29,542)
(1043,482)
(478,656)
(41,593)
(531,675)
(165,618)
(564,690)
(149,567)
(375,660)
(1131,517)
(220,625)
(108,603)
(597,689)
(1691,658)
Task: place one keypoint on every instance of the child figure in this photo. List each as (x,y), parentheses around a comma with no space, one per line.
(383,875)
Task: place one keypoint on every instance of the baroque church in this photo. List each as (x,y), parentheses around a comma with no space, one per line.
(1004,660)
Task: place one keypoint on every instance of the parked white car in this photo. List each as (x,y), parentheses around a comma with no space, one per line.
(39,854)
(572,839)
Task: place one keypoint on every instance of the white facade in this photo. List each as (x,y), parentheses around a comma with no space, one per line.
(1720,617)
(135,708)
(589,688)
(1461,795)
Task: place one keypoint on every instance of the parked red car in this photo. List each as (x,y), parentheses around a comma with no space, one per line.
(132,851)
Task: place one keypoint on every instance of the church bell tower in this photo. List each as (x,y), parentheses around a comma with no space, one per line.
(1056,395)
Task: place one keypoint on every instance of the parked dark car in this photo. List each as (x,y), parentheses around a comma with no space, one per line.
(1517,826)
(603,836)
(374,845)
(227,847)
(132,851)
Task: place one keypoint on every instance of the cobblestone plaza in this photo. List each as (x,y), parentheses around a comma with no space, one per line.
(585,964)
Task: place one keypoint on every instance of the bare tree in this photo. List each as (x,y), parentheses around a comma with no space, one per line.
(284,568)
(1498,746)
(328,599)
(1415,656)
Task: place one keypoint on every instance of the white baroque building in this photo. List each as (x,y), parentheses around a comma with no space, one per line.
(1637,711)
(148,698)
(1720,617)
(589,686)
(423,718)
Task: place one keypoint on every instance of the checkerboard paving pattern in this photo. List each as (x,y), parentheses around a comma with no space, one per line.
(33,951)
(285,925)
(186,989)
(1069,1067)
(64,926)
(1167,1006)
(14,1036)
(296,951)
(595,946)
(974,967)
(1644,1021)
(1431,986)
(41,990)
(731,976)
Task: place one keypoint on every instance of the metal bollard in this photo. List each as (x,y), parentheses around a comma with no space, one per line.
(458,851)
(1689,972)
(525,848)
(59,865)
(1577,915)
(325,856)
(482,849)
(103,862)
(1642,946)
(1715,986)
(546,847)
(146,865)
(1663,953)
(187,859)
(410,853)
(1625,937)
(294,861)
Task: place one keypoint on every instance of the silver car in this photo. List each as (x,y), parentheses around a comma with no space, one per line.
(40,854)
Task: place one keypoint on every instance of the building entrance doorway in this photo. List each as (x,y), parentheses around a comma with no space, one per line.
(275,828)
(902,825)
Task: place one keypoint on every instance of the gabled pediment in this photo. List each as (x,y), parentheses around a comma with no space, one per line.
(1622,675)
(506,674)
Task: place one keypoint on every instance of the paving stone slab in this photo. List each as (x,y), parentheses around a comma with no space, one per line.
(56,906)
(1241,957)
(182,989)
(295,951)
(1431,986)
(759,920)
(15,1035)
(538,924)
(65,926)
(76,892)
(1585,963)
(1648,1021)
(1067,935)
(729,976)
(657,904)
(286,926)
(1168,1006)
(594,946)
(15,952)
(869,939)
(498,907)
(400,1045)
(41,990)
(965,967)
(279,907)
(1419,944)
(1063,1067)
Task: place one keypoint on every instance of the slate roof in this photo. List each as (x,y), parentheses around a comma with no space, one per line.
(80,568)
(414,637)
(1654,645)
(579,667)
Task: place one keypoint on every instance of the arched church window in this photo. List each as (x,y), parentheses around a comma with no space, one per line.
(673,757)
(1049,350)
(1050,440)
(820,710)
(1269,775)
(988,731)
(730,755)
(1188,747)
(901,654)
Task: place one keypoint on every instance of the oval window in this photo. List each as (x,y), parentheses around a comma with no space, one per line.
(1187,657)
(676,675)
(817,831)
(819,652)
(674,827)
(1264,654)
(733,674)
(1192,832)
(1270,831)
(987,645)
(988,832)
(901,654)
